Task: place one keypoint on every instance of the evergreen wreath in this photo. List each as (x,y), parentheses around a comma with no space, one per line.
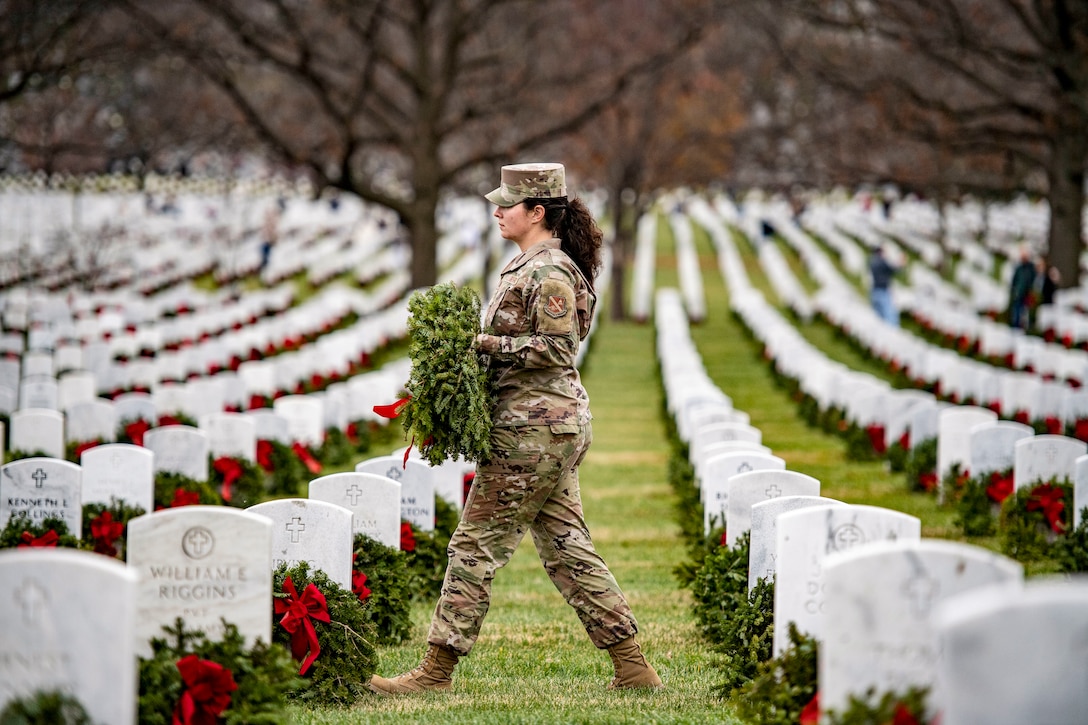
(264,674)
(428,558)
(287,474)
(1071,550)
(105,526)
(890,707)
(448,412)
(385,583)
(51,532)
(45,708)
(1034,518)
(784,686)
(168,485)
(241,480)
(348,658)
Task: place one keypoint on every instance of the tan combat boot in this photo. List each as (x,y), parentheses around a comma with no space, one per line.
(632,669)
(433,673)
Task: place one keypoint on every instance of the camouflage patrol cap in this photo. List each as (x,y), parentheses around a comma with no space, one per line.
(529,181)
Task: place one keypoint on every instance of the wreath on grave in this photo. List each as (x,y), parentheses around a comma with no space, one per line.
(921,466)
(327,630)
(980,501)
(336,448)
(74,449)
(448,407)
(896,708)
(173,490)
(45,708)
(21,533)
(380,577)
(286,472)
(105,526)
(239,482)
(426,554)
(190,680)
(1033,519)
(18,454)
(783,691)
(1071,550)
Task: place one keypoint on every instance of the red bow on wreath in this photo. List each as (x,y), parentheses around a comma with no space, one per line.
(231,470)
(1048,499)
(359,587)
(105,531)
(308,459)
(135,431)
(407,537)
(1000,488)
(298,615)
(264,455)
(207,691)
(45,541)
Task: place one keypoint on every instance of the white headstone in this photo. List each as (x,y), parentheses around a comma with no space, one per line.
(38,391)
(992,446)
(762,555)
(1013,655)
(879,600)
(271,426)
(416,480)
(747,489)
(231,434)
(1045,458)
(76,387)
(38,430)
(807,537)
(202,563)
(719,470)
(316,532)
(1080,488)
(92,420)
(373,500)
(119,470)
(954,434)
(180,449)
(305,418)
(68,625)
(135,406)
(42,488)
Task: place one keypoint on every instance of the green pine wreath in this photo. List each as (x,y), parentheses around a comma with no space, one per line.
(449,411)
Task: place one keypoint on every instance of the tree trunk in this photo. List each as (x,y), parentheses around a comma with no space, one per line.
(423,230)
(621,254)
(1066,197)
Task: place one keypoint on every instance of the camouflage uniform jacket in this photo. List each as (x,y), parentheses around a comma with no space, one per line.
(536,319)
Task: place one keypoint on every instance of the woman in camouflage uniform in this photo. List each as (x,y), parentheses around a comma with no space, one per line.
(539,314)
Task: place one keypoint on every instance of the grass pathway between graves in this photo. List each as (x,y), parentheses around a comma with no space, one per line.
(533,663)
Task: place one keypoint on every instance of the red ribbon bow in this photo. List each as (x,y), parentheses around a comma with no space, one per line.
(810,713)
(876,438)
(207,691)
(304,453)
(184,498)
(135,431)
(1000,488)
(45,541)
(264,454)
(105,531)
(1048,499)
(231,470)
(359,587)
(83,447)
(407,537)
(393,409)
(298,615)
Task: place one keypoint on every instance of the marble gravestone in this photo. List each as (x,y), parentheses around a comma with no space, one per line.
(305,418)
(1046,458)
(719,470)
(38,430)
(42,488)
(202,563)
(805,538)
(991,446)
(762,556)
(38,391)
(954,434)
(752,487)
(1080,488)
(270,426)
(233,435)
(307,530)
(180,449)
(373,500)
(1014,654)
(416,480)
(90,421)
(878,630)
(68,625)
(119,470)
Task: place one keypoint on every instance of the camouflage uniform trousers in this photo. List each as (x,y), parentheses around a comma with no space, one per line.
(530,484)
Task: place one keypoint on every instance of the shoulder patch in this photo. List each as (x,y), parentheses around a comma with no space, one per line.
(556,303)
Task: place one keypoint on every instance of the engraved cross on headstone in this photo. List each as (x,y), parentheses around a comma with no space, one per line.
(744,467)
(394,473)
(31,597)
(39,478)
(295,527)
(922,590)
(353,494)
(773,491)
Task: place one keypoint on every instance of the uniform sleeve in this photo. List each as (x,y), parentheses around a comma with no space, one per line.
(552,340)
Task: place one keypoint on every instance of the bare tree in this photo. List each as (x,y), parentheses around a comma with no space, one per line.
(983,94)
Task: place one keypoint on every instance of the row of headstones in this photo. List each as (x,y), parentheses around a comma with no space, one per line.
(78,620)
(98,372)
(381,491)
